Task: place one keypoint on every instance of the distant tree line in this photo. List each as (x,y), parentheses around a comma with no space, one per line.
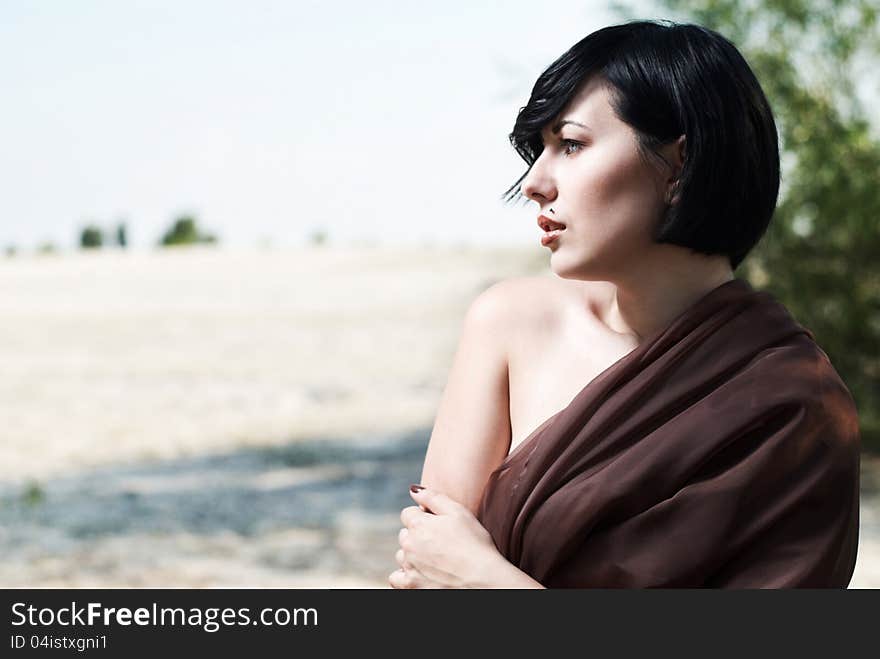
(183,231)
(92,236)
(45,247)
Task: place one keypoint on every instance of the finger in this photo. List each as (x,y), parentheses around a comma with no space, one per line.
(410,515)
(400,557)
(407,579)
(398,579)
(435,502)
(402,536)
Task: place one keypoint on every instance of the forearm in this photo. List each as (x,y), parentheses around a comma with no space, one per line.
(500,573)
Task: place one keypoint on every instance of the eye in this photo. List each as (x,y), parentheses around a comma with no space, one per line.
(570,147)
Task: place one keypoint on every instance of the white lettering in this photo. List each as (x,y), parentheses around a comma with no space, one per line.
(19,613)
(76,614)
(107,613)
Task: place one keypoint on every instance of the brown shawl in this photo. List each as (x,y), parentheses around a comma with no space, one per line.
(722,452)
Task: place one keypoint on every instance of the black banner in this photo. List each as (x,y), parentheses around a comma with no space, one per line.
(274,622)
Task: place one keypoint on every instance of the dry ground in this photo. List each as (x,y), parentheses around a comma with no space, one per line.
(206,417)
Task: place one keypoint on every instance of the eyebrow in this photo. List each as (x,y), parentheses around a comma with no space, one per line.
(558,126)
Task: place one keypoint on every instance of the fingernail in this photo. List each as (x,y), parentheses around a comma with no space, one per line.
(416,488)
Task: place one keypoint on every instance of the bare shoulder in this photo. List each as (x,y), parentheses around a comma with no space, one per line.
(533,303)
(497,353)
(516,300)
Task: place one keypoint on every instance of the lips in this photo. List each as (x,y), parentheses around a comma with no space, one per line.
(550,236)
(551,228)
(549,225)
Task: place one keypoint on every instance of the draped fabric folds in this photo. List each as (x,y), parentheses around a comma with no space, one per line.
(721,452)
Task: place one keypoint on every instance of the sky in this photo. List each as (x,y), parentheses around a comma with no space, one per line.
(374,121)
(382,122)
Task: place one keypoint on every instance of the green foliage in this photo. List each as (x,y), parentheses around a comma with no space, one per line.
(47,247)
(32,494)
(91,237)
(318,237)
(10,250)
(185,231)
(820,254)
(122,235)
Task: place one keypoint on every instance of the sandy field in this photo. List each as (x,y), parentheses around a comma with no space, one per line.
(203,417)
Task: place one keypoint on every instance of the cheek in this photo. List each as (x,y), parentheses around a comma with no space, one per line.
(619,193)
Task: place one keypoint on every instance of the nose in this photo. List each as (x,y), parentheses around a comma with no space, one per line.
(538,185)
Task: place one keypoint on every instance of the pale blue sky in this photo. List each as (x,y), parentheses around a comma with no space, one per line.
(376,120)
(268,119)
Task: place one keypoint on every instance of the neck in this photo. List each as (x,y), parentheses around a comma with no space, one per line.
(649,299)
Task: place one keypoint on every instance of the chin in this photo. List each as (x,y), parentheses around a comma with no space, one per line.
(568,269)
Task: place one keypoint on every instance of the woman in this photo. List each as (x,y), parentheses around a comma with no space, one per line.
(644,418)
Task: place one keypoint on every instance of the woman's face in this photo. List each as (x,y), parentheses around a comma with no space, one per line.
(591,175)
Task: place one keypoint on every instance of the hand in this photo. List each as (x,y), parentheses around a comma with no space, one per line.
(442,545)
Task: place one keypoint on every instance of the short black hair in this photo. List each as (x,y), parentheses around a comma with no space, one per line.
(671,79)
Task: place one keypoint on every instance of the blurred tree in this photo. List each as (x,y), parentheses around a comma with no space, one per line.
(91,237)
(47,247)
(122,235)
(33,493)
(318,237)
(820,254)
(185,232)
(10,250)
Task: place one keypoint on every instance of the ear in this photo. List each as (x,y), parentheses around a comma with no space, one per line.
(675,155)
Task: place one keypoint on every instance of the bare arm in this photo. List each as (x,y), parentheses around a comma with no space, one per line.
(471,437)
(471,434)
(503,574)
